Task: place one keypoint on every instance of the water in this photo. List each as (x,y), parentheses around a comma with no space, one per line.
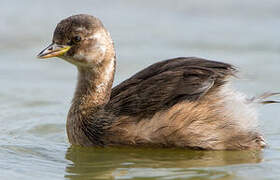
(35,94)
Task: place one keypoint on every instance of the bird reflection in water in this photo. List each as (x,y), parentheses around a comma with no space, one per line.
(128,162)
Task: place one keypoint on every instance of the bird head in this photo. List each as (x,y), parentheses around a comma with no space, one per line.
(81,40)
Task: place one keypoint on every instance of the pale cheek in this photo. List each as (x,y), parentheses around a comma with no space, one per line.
(95,55)
(95,52)
(79,57)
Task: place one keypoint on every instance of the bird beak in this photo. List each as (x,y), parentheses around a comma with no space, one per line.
(53,50)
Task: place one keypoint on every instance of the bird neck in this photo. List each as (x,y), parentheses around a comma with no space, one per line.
(94,86)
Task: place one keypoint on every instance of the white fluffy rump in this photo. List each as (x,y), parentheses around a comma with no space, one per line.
(238,107)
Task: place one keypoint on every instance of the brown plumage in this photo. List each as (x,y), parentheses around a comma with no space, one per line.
(182,102)
(167,83)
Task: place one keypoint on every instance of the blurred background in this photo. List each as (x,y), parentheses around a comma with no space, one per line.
(35,94)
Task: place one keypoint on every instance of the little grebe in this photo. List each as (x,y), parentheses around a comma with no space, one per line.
(180,102)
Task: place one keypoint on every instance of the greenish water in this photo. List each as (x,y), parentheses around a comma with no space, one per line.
(35,95)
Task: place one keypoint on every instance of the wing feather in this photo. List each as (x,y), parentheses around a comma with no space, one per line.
(166,83)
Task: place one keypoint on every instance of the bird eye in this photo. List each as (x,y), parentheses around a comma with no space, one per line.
(74,40)
(77,39)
